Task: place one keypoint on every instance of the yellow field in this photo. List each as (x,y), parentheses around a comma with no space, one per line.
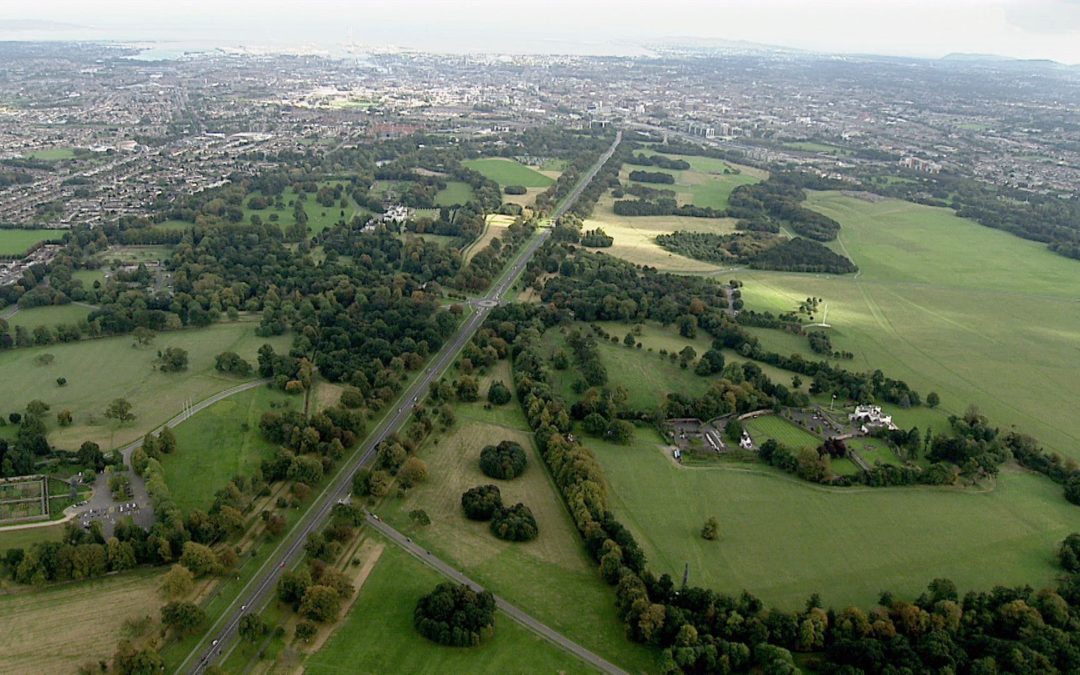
(496,225)
(57,629)
(635,237)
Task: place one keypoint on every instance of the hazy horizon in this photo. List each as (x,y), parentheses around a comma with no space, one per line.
(1043,29)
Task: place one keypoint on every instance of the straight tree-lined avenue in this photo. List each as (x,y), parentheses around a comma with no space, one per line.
(222,634)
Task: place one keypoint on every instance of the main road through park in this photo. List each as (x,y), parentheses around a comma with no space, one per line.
(221,637)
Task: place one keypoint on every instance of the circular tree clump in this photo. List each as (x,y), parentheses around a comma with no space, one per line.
(514,524)
(505,460)
(481,502)
(456,616)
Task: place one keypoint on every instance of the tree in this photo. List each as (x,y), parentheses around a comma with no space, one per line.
(733,430)
(143,336)
(711,530)
(498,393)
(64,418)
(177,582)
(292,586)
(420,517)
(182,616)
(61,381)
(619,431)
(120,410)
(166,441)
(514,524)
(932,399)
(630,340)
(305,630)
(481,502)
(413,471)
(320,603)
(252,628)
(90,455)
(37,408)
(199,558)
(172,360)
(506,460)
(456,616)
(467,389)
(130,661)
(45,359)
(1069,553)
(230,362)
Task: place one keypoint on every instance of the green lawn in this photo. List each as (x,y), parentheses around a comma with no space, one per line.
(874,451)
(88,277)
(567,593)
(219,443)
(975,314)
(782,431)
(783,539)
(100,370)
(24,537)
(707,183)
(506,171)
(647,377)
(18,242)
(52,154)
(456,193)
(378,634)
(48,316)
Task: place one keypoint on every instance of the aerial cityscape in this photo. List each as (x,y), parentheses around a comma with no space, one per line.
(627,354)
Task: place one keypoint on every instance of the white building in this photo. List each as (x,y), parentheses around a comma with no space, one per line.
(871,417)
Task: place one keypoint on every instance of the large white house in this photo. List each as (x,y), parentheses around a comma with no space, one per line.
(871,417)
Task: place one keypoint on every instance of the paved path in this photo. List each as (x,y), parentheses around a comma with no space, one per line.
(510,610)
(290,551)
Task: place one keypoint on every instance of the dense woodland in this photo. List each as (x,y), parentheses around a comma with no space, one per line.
(759,250)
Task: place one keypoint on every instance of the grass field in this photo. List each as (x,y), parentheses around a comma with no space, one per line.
(647,377)
(456,193)
(133,255)
(565,590)
(48,316)
(218,443)
(783,539)
(948,306)
(52,154)
(88,277)
(59,628)
(18,242)
(874,451)
(24,537)
(101,370)
(505,171)
(707,183)
(634,237)
(378,635)
(495,227)
(782,431)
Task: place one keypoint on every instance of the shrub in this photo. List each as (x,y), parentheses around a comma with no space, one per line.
(506,460)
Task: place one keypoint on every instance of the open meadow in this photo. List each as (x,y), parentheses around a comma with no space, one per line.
(18,242)
(551,577)
(59,628)
(940,302)
(100,370)
(50,315)
(783,539)
(707,183)
(219,443)
(506,171)
(378,636)
(456,193)
(635,237)
(975,314)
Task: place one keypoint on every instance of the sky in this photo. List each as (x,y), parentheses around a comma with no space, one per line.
(1042,29)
